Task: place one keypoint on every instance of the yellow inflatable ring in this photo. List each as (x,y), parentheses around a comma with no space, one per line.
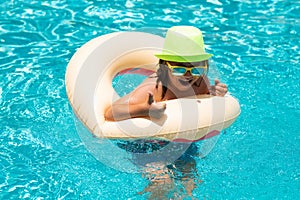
(89,88)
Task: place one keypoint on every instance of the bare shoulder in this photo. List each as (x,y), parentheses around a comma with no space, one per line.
(148,83)
(140,93)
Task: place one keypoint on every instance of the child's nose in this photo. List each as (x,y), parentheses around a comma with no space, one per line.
(188,73)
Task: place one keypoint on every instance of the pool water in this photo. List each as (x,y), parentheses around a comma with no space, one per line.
(256,49)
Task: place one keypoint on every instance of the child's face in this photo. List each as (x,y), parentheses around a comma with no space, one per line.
(182,76)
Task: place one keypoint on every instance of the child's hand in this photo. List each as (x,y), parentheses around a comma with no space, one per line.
(156,110)
(220,88)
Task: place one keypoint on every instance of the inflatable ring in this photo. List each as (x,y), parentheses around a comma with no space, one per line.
(89,77)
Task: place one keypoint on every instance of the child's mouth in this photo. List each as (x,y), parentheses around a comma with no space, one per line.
(186,81)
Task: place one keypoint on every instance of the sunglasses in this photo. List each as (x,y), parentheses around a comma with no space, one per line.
(180,70)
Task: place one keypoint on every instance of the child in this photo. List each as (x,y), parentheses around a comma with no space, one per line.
(183,66)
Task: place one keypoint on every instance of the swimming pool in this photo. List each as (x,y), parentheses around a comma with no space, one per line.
(255,46)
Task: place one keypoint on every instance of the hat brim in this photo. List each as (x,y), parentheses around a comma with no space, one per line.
(175,58)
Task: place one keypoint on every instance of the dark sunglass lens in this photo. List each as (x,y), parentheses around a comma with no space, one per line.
(197,71)
(178,71)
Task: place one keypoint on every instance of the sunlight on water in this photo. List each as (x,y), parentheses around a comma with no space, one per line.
(256,52)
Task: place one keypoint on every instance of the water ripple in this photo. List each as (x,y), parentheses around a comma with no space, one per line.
(256,51)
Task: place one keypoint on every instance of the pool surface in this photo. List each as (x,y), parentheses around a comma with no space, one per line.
(256,51)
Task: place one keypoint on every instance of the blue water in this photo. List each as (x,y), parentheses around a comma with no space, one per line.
(255,46)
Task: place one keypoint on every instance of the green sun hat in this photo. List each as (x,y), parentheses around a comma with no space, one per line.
(184,44)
